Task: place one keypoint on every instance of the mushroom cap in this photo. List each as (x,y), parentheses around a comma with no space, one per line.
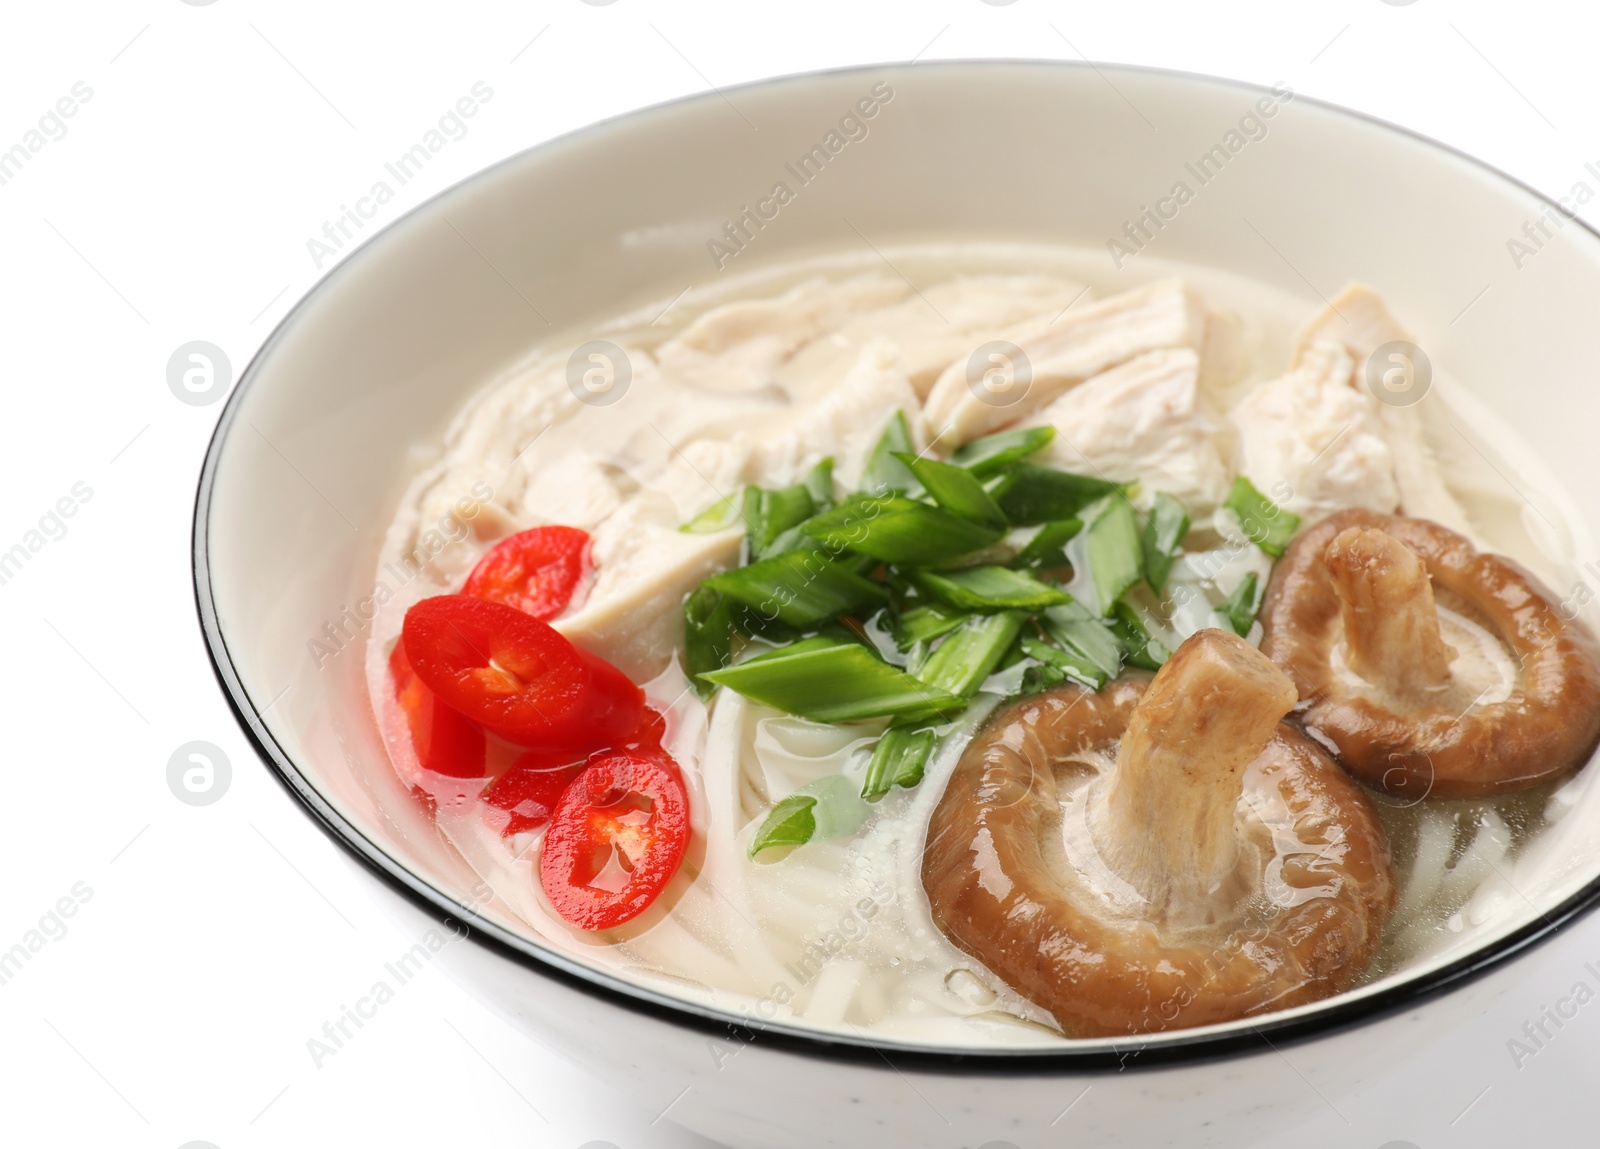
(1546,726)
(1001,889)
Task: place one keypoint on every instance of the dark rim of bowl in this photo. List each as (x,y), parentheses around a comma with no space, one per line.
(1113,1055)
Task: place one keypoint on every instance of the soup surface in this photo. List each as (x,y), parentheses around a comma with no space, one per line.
(796,892)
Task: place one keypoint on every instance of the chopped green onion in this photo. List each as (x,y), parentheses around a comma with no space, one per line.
(1144,650)
(1265,523)
(799,588)
(971,653)
(955,489)
(884,472)
(802,646)
(1044,550)
(1112,550)
(1065,663)
(926,623)
(789,823)
(769,514)
(719,516)
(990,588)
(1015,654)
(819,483)
(1041,676)
(828,681)
(1163,534)
(1095,650)
(897,760)
(1240,607)
(896,529)
(994,453)
(707,635)
(1032,494)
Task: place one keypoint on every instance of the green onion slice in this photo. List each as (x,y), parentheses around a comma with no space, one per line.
(990,588)
(1044,551)
(994,453)
(896,529)
(884,472)
(1112,550)
(1144,650)
(1041,676)
(770,514)
(819,483)
(1032,494)
(971,652)
(898,760)
(1265,523)
(926,623)
(800,588)
(1064,663)
(1163,534)
(708,635)
(955,489)
(719,516)
(830,681)
(1240,607)
(790,823)
(1095,651)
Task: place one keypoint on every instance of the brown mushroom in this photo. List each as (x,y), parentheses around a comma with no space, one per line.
(1434,669)
(1164,853)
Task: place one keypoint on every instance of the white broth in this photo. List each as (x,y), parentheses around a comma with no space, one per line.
(753,381)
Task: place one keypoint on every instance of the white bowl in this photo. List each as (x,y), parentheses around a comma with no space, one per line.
(317,441)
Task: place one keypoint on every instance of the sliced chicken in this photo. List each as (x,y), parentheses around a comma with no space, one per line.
(740,346)
(846,422)
(1313,441)
(1144,420)
(941,324)
(1086,340)
(1358,319)
(644,568)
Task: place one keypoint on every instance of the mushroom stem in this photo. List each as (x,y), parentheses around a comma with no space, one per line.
(1391,625)
(1166,820)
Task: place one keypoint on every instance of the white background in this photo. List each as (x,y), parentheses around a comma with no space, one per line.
(217,140)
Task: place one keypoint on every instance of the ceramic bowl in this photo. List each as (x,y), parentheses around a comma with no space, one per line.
(319,437)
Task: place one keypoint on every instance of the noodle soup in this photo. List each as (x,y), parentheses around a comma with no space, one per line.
(882,517)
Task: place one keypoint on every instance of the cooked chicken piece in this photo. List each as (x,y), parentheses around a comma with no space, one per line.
(644,568)
(940,324)
(1063,352)
(1143,420)
(645,565)
(1315,435)
(705,472)
(1391,625)
(1358,319)
(739,346)
(846,423)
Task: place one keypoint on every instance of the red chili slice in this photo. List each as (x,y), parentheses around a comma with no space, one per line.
(652,732)
(616,838)
(445,744)
(517,677)
(536,571)
(529,791)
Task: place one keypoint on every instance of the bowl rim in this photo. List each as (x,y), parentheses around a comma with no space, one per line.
(1169,1048)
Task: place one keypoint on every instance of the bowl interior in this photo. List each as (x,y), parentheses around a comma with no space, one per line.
(338,409)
